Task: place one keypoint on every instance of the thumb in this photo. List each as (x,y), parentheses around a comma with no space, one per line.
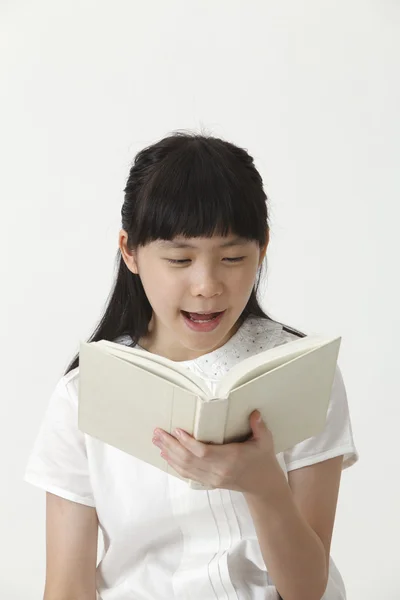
(257,425)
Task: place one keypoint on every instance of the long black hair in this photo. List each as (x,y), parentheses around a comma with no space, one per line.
(188,184)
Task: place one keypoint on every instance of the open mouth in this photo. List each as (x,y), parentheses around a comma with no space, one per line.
(202,318)
(203,323)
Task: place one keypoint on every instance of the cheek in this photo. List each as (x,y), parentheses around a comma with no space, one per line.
(242,282)
(161,289)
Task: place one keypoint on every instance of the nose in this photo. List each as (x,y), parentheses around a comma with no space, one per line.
(206,283)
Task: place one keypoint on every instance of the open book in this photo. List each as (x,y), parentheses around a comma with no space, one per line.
(125,393)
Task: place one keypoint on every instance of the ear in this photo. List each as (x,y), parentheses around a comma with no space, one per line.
(128,255)
(263,250)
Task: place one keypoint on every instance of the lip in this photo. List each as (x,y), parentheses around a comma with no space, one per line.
(204,312)
(204,327)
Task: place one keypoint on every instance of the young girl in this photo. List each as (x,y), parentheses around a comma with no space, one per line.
(195,231)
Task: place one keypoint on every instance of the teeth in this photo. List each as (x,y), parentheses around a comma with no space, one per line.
(203,320)
(206,318)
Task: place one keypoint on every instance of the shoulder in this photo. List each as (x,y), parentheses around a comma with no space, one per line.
(69,383)
(67,386)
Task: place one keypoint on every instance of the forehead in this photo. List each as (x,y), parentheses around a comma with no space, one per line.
(202,243)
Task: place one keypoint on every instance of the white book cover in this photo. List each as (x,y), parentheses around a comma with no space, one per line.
(125,393)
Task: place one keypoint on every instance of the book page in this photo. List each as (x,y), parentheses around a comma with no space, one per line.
(121,404)
(159,366)
(293,399)
(266,361)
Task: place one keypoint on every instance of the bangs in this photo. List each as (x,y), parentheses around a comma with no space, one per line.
(200,191)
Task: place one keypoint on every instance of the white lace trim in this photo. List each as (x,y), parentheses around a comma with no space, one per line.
(254,336)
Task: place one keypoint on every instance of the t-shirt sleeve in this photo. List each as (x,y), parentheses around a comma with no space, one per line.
(58,462)
(336,439)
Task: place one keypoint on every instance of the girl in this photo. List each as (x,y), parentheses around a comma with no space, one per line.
(195,231)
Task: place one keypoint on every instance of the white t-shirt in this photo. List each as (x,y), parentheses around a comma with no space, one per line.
(162,539)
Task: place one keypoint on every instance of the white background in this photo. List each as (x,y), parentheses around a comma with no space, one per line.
(311,89)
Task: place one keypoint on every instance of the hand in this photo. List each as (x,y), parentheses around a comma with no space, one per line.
(244,467)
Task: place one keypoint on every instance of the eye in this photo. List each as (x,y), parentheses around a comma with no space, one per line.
(236,259)
(183,261)
(180,261)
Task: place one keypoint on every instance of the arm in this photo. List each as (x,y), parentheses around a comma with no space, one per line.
(294,523)
(71,550)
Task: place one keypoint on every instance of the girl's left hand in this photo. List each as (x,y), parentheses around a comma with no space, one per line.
(243,466)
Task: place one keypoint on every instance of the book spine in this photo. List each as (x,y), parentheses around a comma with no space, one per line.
(209,427)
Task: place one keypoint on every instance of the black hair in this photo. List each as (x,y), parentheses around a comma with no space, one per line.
(188,184)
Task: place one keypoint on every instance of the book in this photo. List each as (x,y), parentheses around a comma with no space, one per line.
(125,393)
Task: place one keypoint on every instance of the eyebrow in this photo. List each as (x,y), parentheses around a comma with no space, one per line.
(239,241)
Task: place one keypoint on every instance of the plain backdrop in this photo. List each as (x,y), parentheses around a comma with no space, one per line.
(311,89)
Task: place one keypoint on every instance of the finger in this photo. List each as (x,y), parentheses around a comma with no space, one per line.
(170,445)
(198,449)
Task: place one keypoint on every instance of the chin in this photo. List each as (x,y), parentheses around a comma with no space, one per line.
(207,342)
